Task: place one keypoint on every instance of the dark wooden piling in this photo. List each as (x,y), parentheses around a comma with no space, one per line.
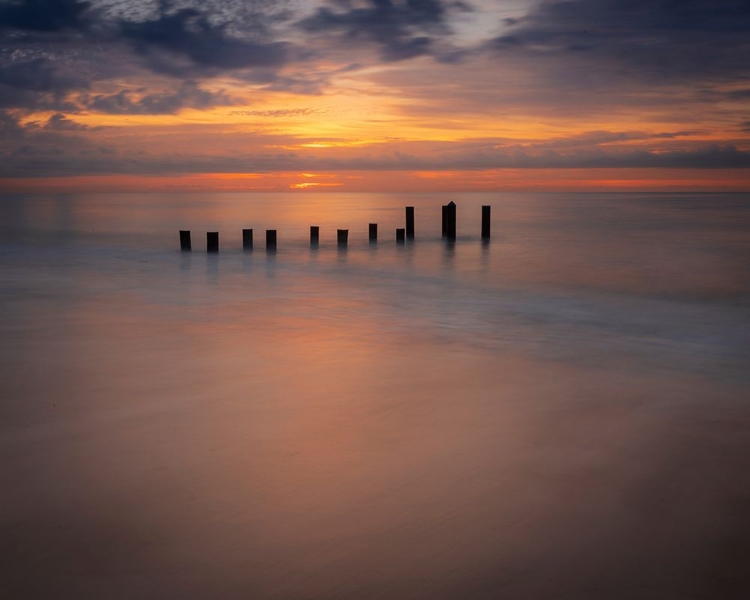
(373,232)
(247,239)
(445,214)
(486,222)
(314,235)
(410,222)
(400,236)
(212,241)
(270,240)
(342,237)
(185,244)
(450,221)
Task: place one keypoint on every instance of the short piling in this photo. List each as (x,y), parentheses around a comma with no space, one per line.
(185,244)
(486,222)
(212,241)
(270,240)
(314,235)
(400,236)
(410,222)
(342,237)
(450,221)
(373,227)
(247,239)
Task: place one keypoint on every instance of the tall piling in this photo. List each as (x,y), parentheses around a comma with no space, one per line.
(270,240)
(409,222)
(212,241)
(486,222)
(444,230)
(450,221)
(373,232)
(247,239)
(185,244)
(314,235)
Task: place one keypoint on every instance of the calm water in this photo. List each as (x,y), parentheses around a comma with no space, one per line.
(562,413)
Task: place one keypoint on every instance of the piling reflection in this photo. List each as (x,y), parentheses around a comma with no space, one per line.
(449,255)
(212,269)
(186,261)
(270,264)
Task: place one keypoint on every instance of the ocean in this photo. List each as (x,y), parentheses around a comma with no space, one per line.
(562,412)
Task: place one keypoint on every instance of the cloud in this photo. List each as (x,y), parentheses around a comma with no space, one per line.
(188,95)
(400,30)
(9,126)
(743,94)
(34,149)
(39,75)
(281,112)
(39,83)
(175,43)
(59,122)
(243,152)
(449,158)
(44,15)
(110,40)
(592,139)
(660,39)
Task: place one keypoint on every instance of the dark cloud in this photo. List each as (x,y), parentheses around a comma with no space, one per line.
(239,18)
(125,102)
(662,39)
(710,157)
(176,43)
(23,155)
(400,30)
(114,40)
(596,139)
(9,126)
(44,15)
(39,83)
(299,80)
(39,75)
(743,94)
(34,148)
(59,122)
(537,157)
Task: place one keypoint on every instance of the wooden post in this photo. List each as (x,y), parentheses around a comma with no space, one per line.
(450,221)
(185,244)
(410,222)
(314,235)
(247,239)
(212,241)
(270,240)
(373,232)
(400,236)
(486,222)
(342,236)
(445,215)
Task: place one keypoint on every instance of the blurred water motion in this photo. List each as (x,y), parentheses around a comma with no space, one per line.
(559,414)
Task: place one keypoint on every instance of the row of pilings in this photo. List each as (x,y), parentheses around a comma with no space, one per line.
(342,235)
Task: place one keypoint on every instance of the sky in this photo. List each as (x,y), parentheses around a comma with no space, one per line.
(375,95)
